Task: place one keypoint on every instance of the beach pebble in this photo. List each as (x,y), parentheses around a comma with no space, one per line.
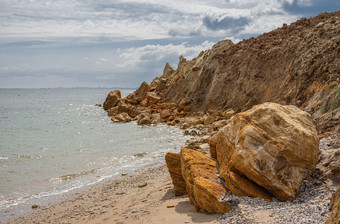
(144,184)
(124,174)
(35,206)
(170,206)
(310,206)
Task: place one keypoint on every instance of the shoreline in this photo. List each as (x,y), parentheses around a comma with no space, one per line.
(147,196)
(122,200)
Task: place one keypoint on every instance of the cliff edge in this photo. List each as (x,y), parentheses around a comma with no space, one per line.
(297,64)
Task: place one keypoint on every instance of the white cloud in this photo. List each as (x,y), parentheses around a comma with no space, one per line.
(134,57)
(130,19)
(123,42)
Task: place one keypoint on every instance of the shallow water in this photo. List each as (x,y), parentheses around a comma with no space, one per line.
(55,140)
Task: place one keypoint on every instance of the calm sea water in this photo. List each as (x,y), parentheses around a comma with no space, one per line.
(54,141)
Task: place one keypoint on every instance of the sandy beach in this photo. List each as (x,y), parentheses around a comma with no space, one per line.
(147,196)
(123,200)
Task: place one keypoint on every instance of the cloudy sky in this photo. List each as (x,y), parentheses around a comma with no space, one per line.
(120,43)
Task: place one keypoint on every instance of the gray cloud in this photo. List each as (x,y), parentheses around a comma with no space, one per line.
(227,23)
(311,7)
(50,43)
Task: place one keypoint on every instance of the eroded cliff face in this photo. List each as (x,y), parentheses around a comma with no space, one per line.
(297,64)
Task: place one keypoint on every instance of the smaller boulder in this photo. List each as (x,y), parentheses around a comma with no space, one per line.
(209,120)
(173,163)
(152,98)
(142,90)
(112,99)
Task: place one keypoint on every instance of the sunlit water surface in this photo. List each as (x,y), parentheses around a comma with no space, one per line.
(54,141)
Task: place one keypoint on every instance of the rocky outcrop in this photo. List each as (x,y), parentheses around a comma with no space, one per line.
(112,99)
(292,65)
(271,145)
(334,217)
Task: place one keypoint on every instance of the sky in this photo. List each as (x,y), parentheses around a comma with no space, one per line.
(121,43)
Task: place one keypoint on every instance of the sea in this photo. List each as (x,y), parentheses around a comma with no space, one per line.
(56,141)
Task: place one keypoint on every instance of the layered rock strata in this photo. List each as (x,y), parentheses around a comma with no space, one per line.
(199,173)
(270,146)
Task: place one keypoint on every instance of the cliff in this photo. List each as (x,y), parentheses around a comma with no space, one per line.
(297,64)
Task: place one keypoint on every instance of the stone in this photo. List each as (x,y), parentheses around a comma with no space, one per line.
(141,185)
(152,98)
(185,126)
(35,206)
(334,217)
(205,139)
(142,91)
(272,145)
(244,186)
(228,114)
(123,117)
(112,99)
(132,99)
(144,118)
(196,165)
(156,119)
(209,120)
(329,163)
(112,111)
(183,104)
(219,124)
(165,114)
(127,108)
(144,102)
(212,146)
(173,163)
(208,195)
(144,121)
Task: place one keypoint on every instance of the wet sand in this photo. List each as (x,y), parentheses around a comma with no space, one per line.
(123,200)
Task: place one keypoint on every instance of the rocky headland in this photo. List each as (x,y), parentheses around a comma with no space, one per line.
(264,115)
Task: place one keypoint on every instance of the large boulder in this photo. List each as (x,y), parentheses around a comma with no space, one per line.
(200,175)
(273,146)
(173,162)
(112,99)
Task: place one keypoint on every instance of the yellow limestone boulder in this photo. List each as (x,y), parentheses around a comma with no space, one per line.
(272,146)
(203,187)
(208,194)
(173,163)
